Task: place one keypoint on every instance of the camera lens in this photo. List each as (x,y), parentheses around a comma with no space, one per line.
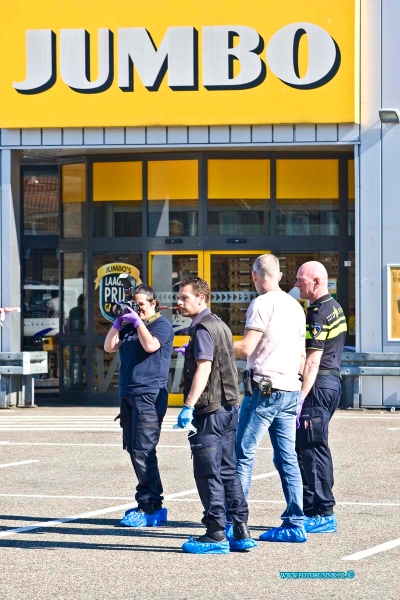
(117,310)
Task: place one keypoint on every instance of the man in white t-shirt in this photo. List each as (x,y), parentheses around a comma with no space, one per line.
(274,344)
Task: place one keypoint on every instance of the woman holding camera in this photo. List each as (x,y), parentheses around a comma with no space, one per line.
(144,340)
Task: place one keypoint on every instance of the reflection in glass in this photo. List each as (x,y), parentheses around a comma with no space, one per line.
(238,197)
(106,370)
(41,310)
(167,272)
(290,264)
(73,199)
(40,200)
(173,198)
(74,368)
(232,288)
(351,193)
(74,320)
(117,199)
(307,217)
(107,268)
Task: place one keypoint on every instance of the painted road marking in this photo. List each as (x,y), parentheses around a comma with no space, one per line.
(375,550)
(186,446)
(14,464)
(103,511)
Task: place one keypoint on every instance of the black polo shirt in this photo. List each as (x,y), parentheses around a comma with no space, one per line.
(326,331)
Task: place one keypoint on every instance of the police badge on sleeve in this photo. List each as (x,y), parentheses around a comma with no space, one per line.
(315,330)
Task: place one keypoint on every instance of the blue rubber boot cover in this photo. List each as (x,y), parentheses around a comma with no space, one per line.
(326,524)
(192,546)
(134,518)
(238,545)
(284,534)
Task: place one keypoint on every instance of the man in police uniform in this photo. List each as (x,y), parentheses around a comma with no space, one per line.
(321,391)
(211,402)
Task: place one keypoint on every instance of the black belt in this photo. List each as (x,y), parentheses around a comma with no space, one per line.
(329,372)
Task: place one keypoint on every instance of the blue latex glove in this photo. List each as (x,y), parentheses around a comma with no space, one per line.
(299,414)
(181,349)
(185,417)
(132,318)
(118,323)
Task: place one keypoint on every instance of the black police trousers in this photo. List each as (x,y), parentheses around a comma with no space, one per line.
(141,419)
(214,464)
(312,448)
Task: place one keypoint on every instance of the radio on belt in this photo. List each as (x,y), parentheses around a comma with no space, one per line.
(265,386)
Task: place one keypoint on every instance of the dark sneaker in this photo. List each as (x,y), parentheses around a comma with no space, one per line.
(239,538)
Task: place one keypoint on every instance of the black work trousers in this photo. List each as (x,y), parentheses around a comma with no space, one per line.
(214,465)
(312,447)
(141,420)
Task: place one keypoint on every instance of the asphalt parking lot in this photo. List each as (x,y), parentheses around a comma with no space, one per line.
(66,482)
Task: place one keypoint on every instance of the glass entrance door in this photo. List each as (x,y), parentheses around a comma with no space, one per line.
(228,274)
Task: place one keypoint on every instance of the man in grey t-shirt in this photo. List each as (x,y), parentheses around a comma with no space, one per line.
(274,343)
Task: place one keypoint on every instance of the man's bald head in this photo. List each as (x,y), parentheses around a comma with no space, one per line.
(312,280)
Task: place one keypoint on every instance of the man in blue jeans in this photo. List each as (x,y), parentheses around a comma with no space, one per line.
(274,344)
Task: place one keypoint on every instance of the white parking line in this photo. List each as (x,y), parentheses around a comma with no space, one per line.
(374,550)
(103,511)
(14,464)
(3,443)
(392,428)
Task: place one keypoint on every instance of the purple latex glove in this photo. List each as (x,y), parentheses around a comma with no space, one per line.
(132,318)
(181,349)
(299,414)
(118,323)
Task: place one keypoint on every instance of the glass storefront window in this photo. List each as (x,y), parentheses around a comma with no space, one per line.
(41,311)
(74,363)
(290,264)
(117,199)
(167,271)
(232,288)
(307,197)
(40,200)
(238,197)
(107,268)
(106,370)
(74,320)
(173,194)
(73,198)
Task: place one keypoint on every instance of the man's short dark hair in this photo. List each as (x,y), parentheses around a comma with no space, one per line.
(199,286)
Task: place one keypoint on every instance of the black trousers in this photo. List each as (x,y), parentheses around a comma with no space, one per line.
(214,465)
(141,420)
(312,447)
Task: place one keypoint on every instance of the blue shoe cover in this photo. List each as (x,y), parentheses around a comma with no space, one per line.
(241,545)
(284,534)
(238,545)
(194,547)
(133,518)
(229,530)
(326,524)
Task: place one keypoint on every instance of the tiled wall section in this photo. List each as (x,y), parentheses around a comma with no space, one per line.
(182,136)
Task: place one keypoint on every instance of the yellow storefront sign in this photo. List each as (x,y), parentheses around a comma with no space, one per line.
(97,63)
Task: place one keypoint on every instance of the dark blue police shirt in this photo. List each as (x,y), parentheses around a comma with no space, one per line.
(143,372)
(203,343)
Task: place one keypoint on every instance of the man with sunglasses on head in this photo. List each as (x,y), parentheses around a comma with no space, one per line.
(211,406)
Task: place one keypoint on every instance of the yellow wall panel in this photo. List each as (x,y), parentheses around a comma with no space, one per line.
(73,183)
(113,181)
(173,180)
(238,179)
(307,178)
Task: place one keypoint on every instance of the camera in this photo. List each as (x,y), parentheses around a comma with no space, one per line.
(119,309)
